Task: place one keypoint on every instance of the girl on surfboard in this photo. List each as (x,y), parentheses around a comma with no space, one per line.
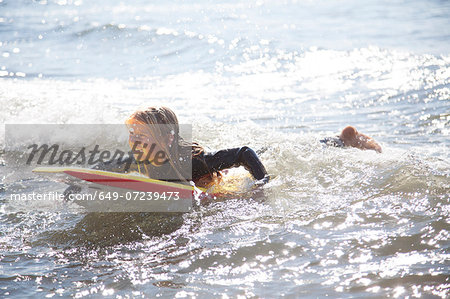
(160,152)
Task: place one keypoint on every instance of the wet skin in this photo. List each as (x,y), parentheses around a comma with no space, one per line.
(351,137)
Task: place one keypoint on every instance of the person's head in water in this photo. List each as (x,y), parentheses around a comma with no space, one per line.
(154,137)
(351,137)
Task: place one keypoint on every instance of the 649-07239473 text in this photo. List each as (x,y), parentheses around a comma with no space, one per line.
(98,195)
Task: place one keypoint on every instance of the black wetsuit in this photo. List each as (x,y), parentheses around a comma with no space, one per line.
(202,165)
(333,141)
(234,157)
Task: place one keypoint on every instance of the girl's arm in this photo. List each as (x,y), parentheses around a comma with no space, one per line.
(235,157)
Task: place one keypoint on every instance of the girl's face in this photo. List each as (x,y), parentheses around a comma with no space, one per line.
(144,146)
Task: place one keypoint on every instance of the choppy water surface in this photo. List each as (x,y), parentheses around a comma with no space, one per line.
(276,76)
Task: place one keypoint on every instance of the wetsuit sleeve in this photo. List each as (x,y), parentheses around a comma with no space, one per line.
(235,157)
(333,141)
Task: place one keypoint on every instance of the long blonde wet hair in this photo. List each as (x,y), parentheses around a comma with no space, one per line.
(178,149)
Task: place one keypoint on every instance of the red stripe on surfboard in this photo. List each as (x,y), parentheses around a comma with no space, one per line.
(130,184)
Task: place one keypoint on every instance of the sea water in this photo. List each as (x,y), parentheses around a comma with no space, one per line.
(276,76)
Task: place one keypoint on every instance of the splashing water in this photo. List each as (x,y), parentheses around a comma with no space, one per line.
(277,77)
